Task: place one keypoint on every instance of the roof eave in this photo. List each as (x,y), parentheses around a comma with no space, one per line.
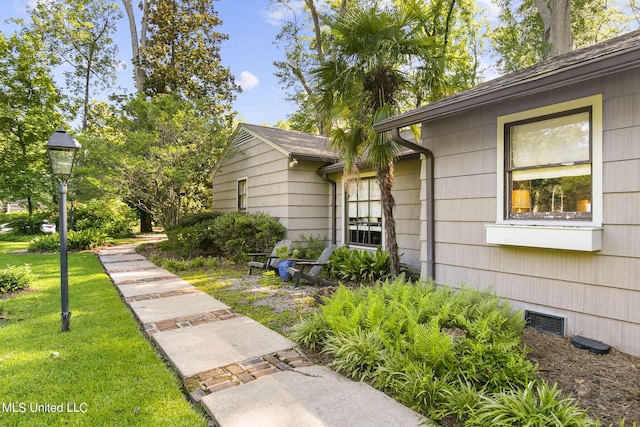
(581,71)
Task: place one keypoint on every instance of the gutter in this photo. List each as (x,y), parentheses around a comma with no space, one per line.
(431,245)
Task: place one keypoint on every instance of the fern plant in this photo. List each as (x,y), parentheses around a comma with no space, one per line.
(397,336)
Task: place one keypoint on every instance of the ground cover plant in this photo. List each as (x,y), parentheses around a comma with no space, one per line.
(272,302)
(454,356)
(102,372)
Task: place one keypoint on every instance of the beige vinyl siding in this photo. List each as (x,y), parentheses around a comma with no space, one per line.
(598,293)
(297,196)
(406,192)
(309,202)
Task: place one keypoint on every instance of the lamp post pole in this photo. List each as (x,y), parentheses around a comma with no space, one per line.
(62,151)
(64,266)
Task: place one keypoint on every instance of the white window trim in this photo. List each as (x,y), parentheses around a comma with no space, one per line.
(579,236)
(246,194)
(345,201)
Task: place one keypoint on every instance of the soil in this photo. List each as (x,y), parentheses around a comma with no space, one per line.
(607,385)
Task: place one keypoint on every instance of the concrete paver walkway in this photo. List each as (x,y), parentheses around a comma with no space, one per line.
(243,373)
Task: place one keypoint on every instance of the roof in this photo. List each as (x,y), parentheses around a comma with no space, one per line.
(290,142)
(611,56)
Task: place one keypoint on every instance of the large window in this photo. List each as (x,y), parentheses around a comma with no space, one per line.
(548,170)
(549,177)
(242,194)
(364,223)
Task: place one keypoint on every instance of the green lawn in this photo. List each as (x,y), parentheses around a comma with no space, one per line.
(102,372)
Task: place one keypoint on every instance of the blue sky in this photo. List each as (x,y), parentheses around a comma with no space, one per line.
(249,53)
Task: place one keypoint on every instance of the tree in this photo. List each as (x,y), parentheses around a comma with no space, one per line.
(377,57)
(307,42)
(181,55)
(157,154)
(523,38)
(78,34)
(556,18)
(29,113)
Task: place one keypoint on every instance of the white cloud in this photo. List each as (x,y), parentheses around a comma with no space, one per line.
(248,81)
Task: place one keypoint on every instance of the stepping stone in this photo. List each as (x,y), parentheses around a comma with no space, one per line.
(123,277)
(107,259)
(118,267)
(310,396)
(154,310)
(154,287)
(208,346)
(121,250)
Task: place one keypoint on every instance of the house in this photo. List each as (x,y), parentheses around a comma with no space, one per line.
(530,186)
(8,207)
(296,177)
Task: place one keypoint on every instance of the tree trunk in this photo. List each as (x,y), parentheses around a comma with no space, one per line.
(316,27)
(557,26)
(385,180)
(138,72)
(146,225)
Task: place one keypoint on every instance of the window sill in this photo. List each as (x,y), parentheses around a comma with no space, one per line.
(588,239)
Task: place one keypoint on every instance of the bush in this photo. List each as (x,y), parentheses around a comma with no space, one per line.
(13,279)
(76,240)
(112,217)
(46,243)
(357,265)
(311,247)
(195,219)
(435,349)
(24,224)
(89,238)
(232,235)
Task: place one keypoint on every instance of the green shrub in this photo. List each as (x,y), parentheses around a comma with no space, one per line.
(357,265)
(195,219)
(89,238)
(224,234)
(24,224)
(111,216)
(237,234)
(435,349)
(13,279)
(46,243)
(310,247)
(76,240)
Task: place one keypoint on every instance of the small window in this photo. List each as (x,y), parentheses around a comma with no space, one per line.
(549,167)
(242,195)
(364,223)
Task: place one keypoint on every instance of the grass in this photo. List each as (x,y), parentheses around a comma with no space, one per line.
(214,276)
(102,372)
(216,283)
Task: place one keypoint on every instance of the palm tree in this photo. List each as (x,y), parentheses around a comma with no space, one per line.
(364,81)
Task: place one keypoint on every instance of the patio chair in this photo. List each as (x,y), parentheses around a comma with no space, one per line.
(298,271)
(266,261)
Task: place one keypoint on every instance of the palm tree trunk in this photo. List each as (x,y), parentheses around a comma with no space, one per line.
(385,180)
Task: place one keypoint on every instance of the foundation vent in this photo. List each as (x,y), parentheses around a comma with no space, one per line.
(545,323)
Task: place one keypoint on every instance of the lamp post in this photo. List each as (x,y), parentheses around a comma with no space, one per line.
(62,149)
